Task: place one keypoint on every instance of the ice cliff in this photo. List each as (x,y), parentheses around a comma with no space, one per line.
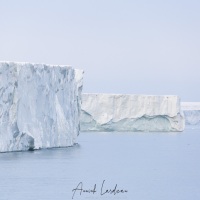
(39,106)
(192,113)
(113,112)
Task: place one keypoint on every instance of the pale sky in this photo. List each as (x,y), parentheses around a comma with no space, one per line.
(124,46)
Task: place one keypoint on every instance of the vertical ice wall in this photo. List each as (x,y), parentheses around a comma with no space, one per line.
(39,106)
(118,112)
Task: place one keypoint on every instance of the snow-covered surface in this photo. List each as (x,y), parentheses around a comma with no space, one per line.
(192,113)
(190,105)
(39,106)
(118,112)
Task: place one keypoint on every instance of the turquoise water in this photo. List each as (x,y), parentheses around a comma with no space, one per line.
(149,166)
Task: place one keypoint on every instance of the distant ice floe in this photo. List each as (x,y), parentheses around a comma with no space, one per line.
(192,113)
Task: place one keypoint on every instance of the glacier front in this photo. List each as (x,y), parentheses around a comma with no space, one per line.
(192,113)
(39,106)
(118,112)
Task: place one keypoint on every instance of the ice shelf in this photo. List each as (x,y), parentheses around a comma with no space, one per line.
(39,106)
(119,112)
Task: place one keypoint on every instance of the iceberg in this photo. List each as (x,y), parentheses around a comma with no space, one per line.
(39,106)
(120,112)
(192,113)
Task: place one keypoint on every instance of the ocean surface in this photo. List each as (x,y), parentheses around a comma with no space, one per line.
(142,166)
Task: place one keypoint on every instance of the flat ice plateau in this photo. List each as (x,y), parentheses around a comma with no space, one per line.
(192,113)
(118,112)
(39,106)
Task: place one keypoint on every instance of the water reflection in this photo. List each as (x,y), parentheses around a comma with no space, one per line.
(149,165)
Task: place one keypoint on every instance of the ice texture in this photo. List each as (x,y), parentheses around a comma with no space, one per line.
(119,112)
(39,106)
(192,113)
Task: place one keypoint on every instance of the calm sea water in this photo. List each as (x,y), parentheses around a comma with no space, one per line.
(150,166)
